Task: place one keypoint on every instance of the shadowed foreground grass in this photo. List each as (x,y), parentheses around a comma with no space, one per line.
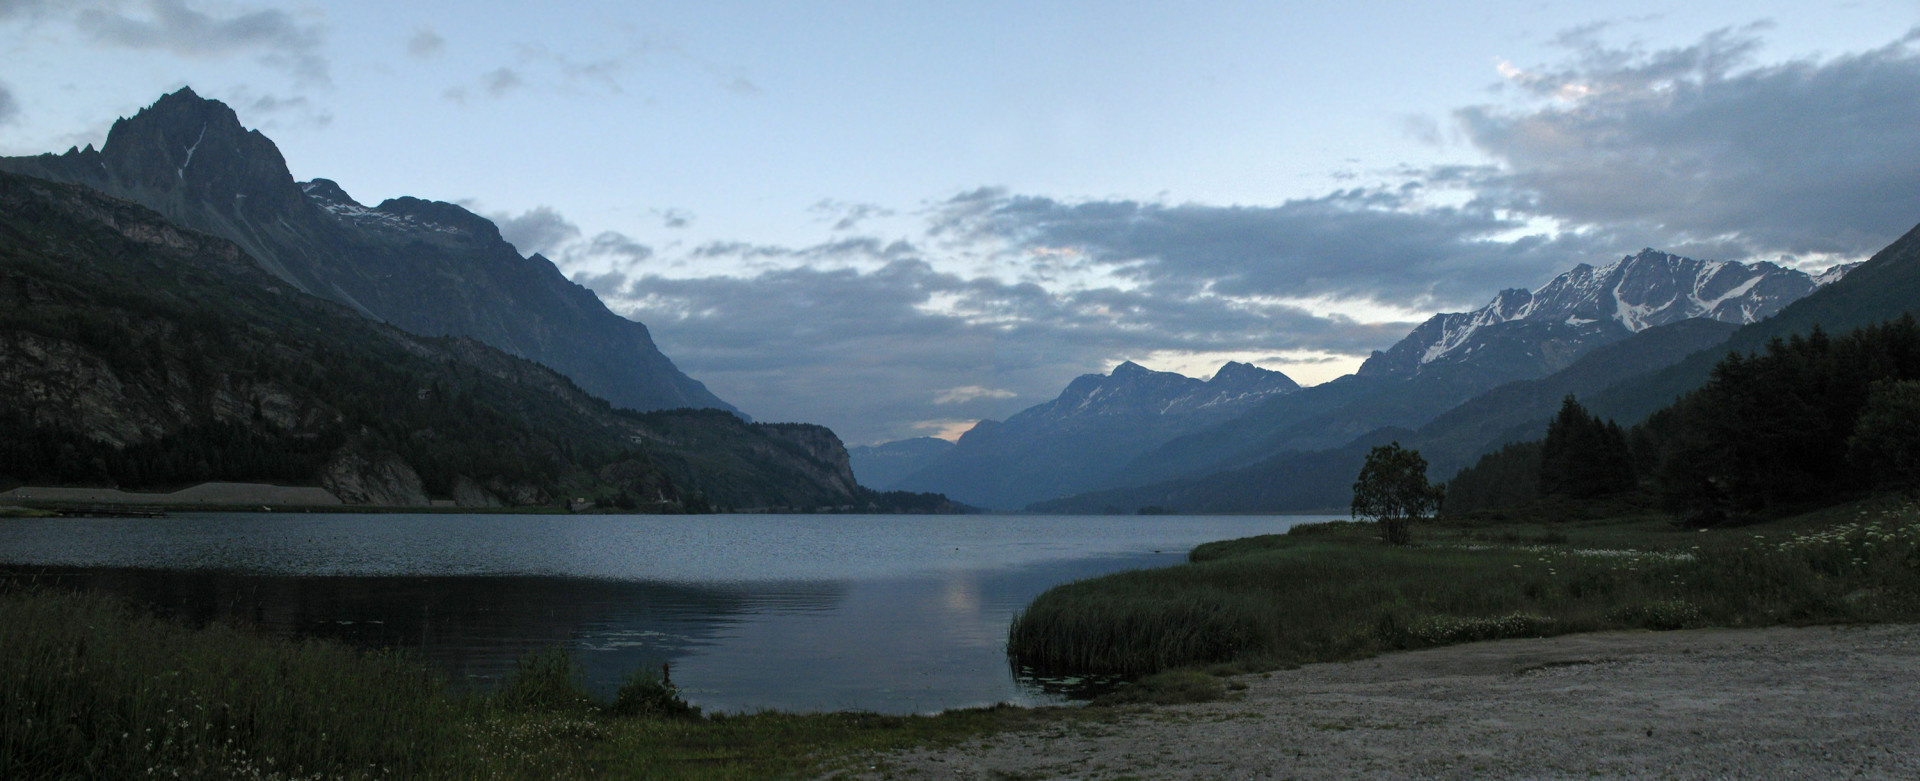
(1329,592)
(92,688)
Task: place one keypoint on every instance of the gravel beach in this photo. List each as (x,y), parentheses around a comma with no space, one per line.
(1816,702)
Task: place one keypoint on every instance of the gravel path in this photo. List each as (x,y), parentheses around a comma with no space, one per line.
(1821,702)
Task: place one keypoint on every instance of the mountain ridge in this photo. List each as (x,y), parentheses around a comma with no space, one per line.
(1096,423)
(429,267)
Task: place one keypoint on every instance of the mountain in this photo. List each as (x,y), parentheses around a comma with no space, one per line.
(431,268)
(1098,423)
(1625,380)
(880,466)
(138,354)
(1454,357)
(1586,307)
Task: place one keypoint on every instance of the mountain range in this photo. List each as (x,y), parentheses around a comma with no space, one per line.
(430,268)
(1449,362)
(1626,380)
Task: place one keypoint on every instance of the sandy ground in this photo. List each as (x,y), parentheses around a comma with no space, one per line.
(1823,702)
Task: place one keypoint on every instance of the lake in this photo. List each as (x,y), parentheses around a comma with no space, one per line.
(892,614)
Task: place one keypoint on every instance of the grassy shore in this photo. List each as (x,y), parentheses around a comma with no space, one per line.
(93,688)
(1327,592)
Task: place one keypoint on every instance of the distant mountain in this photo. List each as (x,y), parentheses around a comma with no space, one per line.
(1625,380)
(1587,307)
(137,354)
(428,267)
(1098,423)
(880,466)
(1451,358)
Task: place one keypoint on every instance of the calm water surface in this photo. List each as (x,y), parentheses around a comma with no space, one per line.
(895,614)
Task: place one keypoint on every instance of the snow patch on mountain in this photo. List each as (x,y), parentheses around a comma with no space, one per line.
(1637,292)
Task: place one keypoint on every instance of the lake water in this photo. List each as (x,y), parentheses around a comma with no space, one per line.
(893,614)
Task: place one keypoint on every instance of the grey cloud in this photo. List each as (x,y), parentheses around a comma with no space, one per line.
(9,107)
(279,38)
(1360,243)
(10,9)
(501,81)
(855,349)
(1691,148)
(674,218)
(847,216)
(426,44)
(539,230)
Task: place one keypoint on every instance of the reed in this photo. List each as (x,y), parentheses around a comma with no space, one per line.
(1332,592)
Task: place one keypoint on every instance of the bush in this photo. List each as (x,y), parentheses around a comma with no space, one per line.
(549,679)
(644,695)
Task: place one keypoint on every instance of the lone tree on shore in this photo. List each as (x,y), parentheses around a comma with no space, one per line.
(1393,490)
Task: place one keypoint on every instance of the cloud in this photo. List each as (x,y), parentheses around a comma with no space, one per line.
(540,230)
(674,218)
(1378,244)
(426,44)
(850,347)
(1697,148)
(847,216)
(500,81)
(278,38)
(966,393)
(9,107)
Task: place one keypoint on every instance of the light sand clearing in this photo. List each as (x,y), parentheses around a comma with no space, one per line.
(1821,702)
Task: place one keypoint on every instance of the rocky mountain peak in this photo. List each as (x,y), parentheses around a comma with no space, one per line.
(189,144)
(1247,375)
(1587,306)
(328,192)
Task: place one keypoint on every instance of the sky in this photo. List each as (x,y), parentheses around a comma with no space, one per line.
(899,218)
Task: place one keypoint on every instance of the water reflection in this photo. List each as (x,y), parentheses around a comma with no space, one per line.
(753,613)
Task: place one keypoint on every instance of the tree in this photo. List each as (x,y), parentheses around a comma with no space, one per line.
(1886,438)
(1393,490)
(1584,456)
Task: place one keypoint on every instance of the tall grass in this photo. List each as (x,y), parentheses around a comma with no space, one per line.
(90,688)
(1332,592)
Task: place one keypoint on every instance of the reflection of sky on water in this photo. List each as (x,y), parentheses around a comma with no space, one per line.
(791,612)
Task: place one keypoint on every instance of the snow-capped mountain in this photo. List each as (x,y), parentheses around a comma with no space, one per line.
(1586,307)
(1098,423)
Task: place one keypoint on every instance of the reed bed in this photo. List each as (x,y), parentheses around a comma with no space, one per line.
(1333,592)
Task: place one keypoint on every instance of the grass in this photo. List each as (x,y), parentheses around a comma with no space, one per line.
(92,688)
(1329,592)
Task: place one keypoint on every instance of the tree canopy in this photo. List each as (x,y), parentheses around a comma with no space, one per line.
(1393,490)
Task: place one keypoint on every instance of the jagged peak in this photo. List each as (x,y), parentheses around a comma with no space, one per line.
(328,191)
(1239,372)
(1129,368)
(440,213)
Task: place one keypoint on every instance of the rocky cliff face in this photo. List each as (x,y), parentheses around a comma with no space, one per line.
(136,353)
(430,268)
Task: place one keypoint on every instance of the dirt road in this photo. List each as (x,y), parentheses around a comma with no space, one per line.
(1823,702)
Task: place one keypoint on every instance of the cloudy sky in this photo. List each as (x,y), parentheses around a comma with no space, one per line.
(897,218)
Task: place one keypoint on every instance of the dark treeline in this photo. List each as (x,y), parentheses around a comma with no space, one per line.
(1809,420)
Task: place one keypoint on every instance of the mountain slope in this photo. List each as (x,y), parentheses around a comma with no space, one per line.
(1625,381)
(430,268)
(1096,424)
(881,466)
(1454,357)
(138,354)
